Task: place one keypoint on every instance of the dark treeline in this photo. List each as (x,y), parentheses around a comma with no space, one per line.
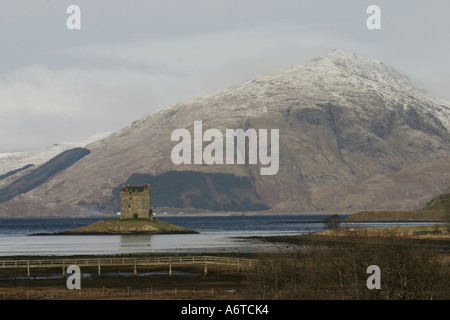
(41,174)
(10,173)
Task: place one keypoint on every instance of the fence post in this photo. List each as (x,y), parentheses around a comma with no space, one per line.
(170,267)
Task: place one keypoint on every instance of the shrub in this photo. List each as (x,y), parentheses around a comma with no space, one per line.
(332,222)
(337,270)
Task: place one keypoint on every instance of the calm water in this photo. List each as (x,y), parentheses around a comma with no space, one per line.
(216,234)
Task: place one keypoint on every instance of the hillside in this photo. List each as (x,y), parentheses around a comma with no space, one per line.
(354,134)
(11,163)
(437,209)
(196,189)
(40,175)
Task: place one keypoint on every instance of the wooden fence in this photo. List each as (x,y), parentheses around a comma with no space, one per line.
(99,263)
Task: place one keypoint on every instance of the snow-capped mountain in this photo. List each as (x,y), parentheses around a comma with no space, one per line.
(16,160)
(354,134)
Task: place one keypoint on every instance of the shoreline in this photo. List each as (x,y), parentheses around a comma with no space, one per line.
(126,255)
(124,227)
(150,283)
(189,214)
(87,233)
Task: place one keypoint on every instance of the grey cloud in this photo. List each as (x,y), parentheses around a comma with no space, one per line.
(133,57)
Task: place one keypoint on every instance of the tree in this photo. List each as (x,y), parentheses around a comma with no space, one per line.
(332,222)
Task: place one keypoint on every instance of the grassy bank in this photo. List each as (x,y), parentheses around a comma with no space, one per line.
(128,226)
(432,231)
(436,210)
(423,215)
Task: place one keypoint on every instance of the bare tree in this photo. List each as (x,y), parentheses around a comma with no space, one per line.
(337,270)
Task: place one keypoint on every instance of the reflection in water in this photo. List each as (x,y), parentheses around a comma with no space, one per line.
(133,240)
(216,234)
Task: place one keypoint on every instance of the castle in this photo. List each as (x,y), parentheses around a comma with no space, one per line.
(135,202)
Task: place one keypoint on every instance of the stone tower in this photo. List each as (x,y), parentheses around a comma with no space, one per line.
(135,202)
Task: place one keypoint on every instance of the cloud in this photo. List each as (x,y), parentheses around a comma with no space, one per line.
(106,86)
(40,106)
(219,58)
(124,64)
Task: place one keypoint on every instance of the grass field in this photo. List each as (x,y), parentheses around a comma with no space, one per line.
(432,231)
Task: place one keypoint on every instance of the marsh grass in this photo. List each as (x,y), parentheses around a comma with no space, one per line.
(339,270)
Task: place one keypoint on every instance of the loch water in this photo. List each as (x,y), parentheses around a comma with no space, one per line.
(231,233)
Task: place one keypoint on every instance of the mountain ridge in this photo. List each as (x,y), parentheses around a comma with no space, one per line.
(344,120)
(15,160)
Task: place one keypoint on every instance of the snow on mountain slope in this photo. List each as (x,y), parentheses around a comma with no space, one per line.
(16,160)
(343,120)
(339,77)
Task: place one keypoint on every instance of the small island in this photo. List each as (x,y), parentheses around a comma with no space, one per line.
(136,217)
(127,226)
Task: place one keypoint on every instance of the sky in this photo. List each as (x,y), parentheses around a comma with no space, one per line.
(132,57)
